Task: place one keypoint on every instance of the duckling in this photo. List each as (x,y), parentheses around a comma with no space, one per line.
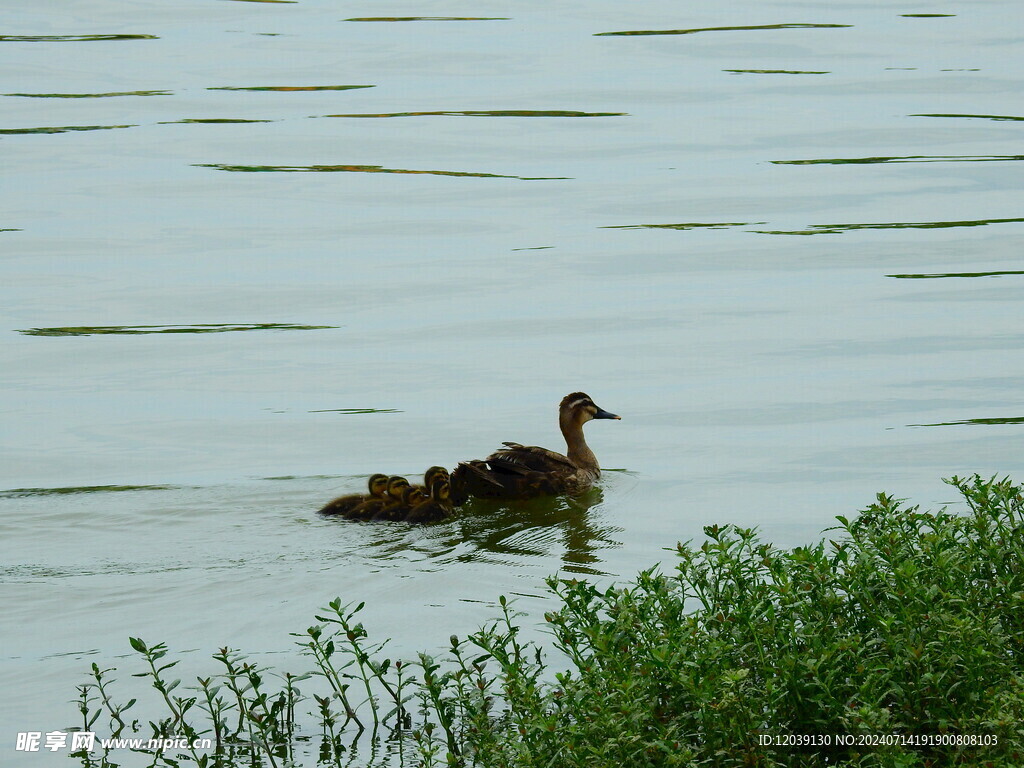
(343,505)
(437,507)
(412,496)
(429,475)
(372,507)
(524,471)
(432,475)
(396,487)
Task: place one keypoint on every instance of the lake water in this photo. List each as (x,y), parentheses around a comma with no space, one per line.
(255,251)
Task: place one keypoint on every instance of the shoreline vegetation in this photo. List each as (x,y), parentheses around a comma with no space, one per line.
(897,641)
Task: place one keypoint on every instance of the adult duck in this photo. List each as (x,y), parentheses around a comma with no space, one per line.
(524,471)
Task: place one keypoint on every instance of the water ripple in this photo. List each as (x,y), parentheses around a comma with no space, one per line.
(71,38)
(143,329)
(61,129)
(19,493)
(903,159)
(938,275)
(288,88)
(689,225)
(357,411)
(975,422)
(364,169)
(89,95)
(777,71)
(429,18)
(969,116)
(833,229)
(492,113)
(212,120)
(723,29)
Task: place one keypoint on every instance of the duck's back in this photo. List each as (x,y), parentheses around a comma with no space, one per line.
(518,472)
(532,457)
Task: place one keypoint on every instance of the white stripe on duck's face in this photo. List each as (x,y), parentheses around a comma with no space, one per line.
(580,403)
(584,409)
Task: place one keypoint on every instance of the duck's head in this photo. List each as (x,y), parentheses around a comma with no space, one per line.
(396,486)
(378,485)
(578,409)
(431,474)
(411,496)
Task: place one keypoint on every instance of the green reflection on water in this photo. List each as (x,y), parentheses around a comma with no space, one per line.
(353,411)
(62,129)
(996,420)
(290,88)
(777,71)
(142,329)
(492,113)
(937,275)
(689,225)
(215,120)
(972,117)
(723,29)
(429,18)
(363,169)
(71,38)
(905,159)
(306,477)
(832,229)
(17,493)
(90,95)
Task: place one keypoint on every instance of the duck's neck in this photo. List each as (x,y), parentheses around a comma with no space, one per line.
(579,452)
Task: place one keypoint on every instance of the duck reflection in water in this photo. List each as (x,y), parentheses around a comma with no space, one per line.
(539,527)
(571,528)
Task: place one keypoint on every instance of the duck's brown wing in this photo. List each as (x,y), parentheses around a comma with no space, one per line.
(533,457)
(474,478)
(513,472)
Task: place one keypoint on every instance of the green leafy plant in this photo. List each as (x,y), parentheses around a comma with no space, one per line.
(899,642)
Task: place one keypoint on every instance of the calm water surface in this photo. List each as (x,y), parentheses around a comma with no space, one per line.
(253,252)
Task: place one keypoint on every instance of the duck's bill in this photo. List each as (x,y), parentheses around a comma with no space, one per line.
(605,415)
